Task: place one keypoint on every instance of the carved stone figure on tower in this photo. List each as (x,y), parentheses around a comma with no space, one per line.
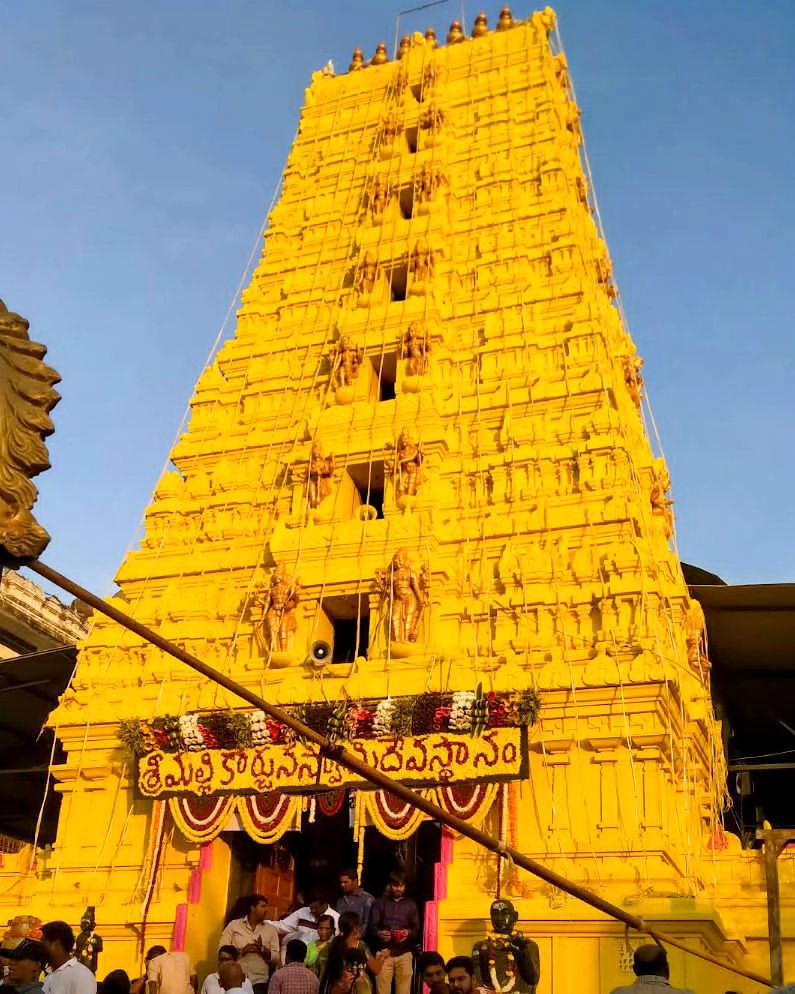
(378,198)
(633,378)
(417,349)
(388,131)
(404,596)
(661,503)
(278,622)
(421,267)
(321,470)
(431,123)
(406,468)
(347,360)
(426,186)
(26,399)
(366,278)
(506,960)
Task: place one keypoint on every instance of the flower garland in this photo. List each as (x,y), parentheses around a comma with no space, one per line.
(461,713)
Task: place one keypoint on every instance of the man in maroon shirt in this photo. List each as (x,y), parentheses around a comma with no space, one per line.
(395,924)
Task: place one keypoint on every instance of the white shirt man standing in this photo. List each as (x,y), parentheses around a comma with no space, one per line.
(67,976)
(302,924)
(256,940)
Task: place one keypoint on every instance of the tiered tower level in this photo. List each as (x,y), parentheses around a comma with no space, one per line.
(424,445)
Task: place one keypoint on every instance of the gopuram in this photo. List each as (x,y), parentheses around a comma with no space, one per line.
(417,502)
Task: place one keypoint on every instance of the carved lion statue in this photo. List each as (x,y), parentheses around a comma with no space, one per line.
(26,399)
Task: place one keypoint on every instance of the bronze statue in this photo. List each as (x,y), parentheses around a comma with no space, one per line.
(88,944)
(347,360)
(481,26)
(422,262)
(279,605)
(357,62)
(455,34)
(26,387)
(417,350)
(407,465)
(507,960)
(404,596)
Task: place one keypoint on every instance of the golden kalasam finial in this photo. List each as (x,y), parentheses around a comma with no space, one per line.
(380,57)
(357,62)
(26,399)
(506,19)
(405,46)
(431,39)
(455,34)
(481,26)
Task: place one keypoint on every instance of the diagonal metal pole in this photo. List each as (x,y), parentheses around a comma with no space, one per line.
(339,754)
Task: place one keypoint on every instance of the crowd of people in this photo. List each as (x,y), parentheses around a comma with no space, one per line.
(362,946)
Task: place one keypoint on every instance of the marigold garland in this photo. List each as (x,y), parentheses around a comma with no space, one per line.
(461,713)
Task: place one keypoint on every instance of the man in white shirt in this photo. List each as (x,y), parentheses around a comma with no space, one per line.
(302,924)
(232,978)
(212,983)
(67,976)
(256,940)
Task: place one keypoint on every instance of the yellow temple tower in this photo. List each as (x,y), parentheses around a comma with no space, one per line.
(417,501)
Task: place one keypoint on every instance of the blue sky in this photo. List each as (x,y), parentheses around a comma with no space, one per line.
(141,145)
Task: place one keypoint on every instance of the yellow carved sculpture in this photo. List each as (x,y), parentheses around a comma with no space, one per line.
(545,519)
(26,399)
(404,596)
(277,609)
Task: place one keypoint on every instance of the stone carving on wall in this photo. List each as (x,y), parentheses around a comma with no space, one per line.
(422,264)
(345,366)
(404,597)
(277,622)
(26,390)
(406,468)
(417,350)
(427,184)
(633,378)
(661,503)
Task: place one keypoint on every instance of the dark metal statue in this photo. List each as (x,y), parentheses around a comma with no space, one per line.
(507,960)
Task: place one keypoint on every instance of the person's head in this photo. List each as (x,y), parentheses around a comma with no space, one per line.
(295,951)
(26,962)
(116,982)
(460,971)
(503,917)
(257,908)
(154,952)
(325,928)
(318,904)
(650,961)
(59,941)
(227,954)
(397,884)
(431,967)
(349,881)
(231,975)
(350,926)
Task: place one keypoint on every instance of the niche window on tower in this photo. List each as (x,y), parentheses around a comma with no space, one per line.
(411,139)
(406,201)
(398,281)
(349,615)
(368,478)
(385,367)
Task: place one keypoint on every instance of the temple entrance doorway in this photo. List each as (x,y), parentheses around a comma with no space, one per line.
(300,863)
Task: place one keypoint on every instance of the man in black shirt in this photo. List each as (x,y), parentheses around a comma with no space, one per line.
(395,924)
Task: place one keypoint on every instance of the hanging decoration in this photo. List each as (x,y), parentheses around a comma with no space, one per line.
(463,713)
